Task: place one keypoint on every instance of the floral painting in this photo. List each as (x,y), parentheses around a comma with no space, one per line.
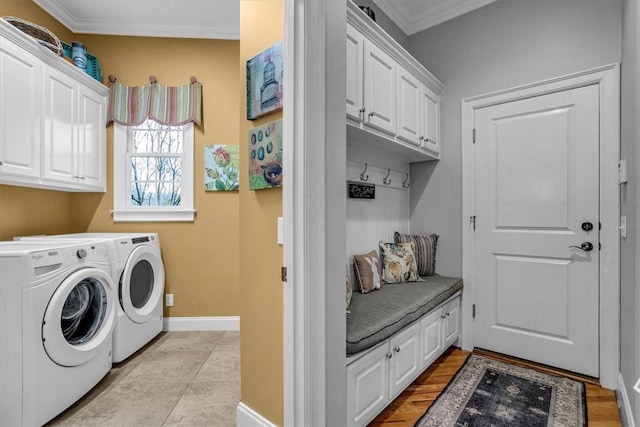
(265,156)
(221,164)
(264,82)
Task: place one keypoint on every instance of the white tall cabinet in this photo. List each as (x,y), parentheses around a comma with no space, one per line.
(52,119)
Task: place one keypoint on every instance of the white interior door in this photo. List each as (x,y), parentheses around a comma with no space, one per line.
(537,190)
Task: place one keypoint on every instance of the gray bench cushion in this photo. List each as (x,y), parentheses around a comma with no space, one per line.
(379,314)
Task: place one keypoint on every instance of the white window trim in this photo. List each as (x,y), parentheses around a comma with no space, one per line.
(122,212)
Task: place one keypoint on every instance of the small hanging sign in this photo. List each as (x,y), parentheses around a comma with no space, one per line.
(360,190)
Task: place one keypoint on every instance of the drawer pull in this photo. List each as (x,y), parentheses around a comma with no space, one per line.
(389,355)
(396,349)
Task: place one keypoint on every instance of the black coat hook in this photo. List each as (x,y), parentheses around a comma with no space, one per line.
(386,180)
(405,184)
(364,177)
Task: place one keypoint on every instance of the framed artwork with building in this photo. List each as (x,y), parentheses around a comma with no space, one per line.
(264,82)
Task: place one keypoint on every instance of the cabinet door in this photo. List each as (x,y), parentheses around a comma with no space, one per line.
(431,120)
(20,113)
(367,386)
(379,89)
(91,140)
(60,131)
(431,340)
(409,112)
(405,360)
(451,319)
(355,56)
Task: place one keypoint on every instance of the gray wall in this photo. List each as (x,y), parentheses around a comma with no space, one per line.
(630,133)
(502,45)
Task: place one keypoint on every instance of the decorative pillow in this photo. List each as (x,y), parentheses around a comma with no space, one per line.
(399,263)
(367,267)
(425,247)
(349,289)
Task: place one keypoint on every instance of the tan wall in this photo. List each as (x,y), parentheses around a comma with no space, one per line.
(261,311)
(201,258)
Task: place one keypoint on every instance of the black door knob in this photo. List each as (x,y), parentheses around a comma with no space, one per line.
(587,226)
(585,246)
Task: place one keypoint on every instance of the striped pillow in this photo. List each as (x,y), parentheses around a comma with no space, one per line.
(425,251)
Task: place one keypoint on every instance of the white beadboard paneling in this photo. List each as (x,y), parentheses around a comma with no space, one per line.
(369,221)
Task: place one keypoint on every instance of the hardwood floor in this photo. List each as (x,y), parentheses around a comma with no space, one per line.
(602,407)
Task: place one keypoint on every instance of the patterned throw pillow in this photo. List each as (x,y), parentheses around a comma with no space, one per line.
(425,251)
(367,267)
(399,263)
(349,289)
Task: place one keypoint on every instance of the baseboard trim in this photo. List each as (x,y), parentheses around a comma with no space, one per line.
(247,417)
(625,404)
(220,323)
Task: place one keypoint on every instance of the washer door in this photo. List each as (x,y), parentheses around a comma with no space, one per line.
(141,284)
(79,317)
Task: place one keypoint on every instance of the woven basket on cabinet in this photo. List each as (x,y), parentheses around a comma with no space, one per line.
(41,34)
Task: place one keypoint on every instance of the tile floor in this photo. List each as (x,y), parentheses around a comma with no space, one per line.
(179,379)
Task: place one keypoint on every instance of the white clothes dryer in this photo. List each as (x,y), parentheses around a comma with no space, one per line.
(138,272)
(57,314)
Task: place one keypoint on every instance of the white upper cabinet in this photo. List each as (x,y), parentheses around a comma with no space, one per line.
(430,120)
(379,89)
(410,108)
(52,119)
(20,112)
(355,75)
(392,100)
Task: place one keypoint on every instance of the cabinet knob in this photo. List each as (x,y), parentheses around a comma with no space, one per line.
(443,316)
(370,114)
(389,355)
(396,349)
(448,314)
(1,163)
(362,110)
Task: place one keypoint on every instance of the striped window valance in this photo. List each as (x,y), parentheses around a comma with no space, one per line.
(168,105)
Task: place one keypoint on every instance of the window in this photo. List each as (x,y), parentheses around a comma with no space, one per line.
(153,172)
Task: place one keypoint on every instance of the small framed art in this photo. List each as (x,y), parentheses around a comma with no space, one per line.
(221,164)
(264,82)
(265,156)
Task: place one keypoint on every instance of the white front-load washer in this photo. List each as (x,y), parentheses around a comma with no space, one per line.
(57,314)
(138,272)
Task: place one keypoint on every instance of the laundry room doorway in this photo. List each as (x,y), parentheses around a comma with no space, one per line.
(537,191)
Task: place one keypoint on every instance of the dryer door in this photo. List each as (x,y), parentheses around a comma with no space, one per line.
(142,284)
(79,317)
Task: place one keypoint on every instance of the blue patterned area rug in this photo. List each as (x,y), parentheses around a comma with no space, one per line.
(489,393)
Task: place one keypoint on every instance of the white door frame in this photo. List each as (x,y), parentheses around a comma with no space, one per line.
(608,80)
(314,206)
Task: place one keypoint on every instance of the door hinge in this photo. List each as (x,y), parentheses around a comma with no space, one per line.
(473,133)
(283,274)
(599,246)
(472,220)
(473,311)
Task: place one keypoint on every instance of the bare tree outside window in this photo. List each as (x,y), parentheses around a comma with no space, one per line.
(156,157)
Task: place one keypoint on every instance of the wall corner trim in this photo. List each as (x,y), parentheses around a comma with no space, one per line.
(247,417)
(625,404)
(212,323)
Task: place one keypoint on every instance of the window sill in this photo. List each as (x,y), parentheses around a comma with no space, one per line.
(151,215)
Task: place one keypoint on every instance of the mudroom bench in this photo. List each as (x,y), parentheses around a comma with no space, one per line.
(393,335)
